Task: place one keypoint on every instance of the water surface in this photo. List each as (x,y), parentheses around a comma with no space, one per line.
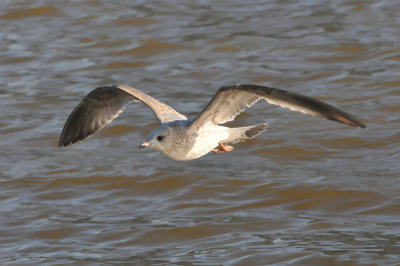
(306,192)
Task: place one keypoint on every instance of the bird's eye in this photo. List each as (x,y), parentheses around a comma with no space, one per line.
(160,138)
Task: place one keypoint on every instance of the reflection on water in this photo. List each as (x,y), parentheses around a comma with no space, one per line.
(306,192)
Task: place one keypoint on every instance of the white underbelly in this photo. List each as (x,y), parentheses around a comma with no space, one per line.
(207,139)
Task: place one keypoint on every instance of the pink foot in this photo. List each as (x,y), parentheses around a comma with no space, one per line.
(222,148)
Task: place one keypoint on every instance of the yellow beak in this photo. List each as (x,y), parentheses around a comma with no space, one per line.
(144,144)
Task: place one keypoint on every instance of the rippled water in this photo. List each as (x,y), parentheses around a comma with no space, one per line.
(306,192)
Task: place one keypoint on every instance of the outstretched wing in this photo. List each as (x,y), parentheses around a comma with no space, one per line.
(102,105)
(230,101)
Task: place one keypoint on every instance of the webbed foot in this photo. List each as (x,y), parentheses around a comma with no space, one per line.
(222,148)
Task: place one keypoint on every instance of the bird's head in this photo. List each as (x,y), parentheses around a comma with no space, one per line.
(161,139)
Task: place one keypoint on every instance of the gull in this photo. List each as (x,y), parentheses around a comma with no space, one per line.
(185,139)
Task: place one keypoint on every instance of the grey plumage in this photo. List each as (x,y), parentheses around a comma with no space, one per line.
(183,139)
(230,101)
(103,105)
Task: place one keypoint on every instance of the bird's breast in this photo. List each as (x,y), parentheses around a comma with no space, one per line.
(205,140)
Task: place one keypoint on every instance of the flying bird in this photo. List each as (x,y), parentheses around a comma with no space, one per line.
(184,139)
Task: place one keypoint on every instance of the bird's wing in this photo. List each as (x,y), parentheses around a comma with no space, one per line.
(104,104)
(164,112)
(230,101)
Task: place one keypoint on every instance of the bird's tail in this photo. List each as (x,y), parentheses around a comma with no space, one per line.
(238,134)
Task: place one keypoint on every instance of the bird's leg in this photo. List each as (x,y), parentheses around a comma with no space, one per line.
(222,148)
(226,148)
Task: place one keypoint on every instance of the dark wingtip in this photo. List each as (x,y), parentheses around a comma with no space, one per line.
(69,138)
(63,143)
(361,125)
(64,140)
(348,119)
